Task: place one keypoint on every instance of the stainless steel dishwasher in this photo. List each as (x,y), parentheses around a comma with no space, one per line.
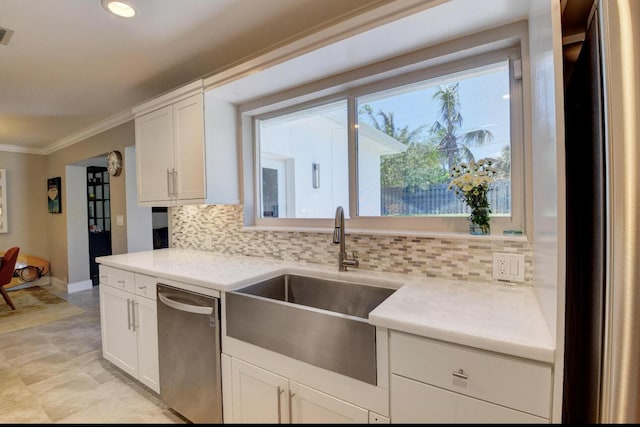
(189,353)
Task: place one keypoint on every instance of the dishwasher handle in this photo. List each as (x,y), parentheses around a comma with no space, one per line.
(197,309)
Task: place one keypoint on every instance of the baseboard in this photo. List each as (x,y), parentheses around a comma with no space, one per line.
(71,287)
(79,286)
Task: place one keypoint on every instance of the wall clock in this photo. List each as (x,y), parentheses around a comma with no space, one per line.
(114,163)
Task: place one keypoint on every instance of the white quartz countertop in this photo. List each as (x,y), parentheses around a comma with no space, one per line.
(490,316)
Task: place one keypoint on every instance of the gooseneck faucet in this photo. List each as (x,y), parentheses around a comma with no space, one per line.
(339,238)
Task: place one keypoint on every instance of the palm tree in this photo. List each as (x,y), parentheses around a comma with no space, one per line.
(418,166)
(388,126)
(452,143)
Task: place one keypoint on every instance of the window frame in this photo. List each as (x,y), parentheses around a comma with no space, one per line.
(392,224)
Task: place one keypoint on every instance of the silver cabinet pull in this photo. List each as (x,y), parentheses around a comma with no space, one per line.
(291,406)
(175,183)
(279,391)
(133,314)
(128,315)
(460,374)
(169,182)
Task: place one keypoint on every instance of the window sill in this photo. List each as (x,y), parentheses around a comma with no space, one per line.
(380,232)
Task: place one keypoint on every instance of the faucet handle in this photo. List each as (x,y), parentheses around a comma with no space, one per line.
(354,254)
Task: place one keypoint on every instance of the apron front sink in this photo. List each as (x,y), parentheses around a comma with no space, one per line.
(319,321)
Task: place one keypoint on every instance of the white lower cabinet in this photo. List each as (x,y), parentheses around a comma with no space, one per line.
(438,382)
(119,341)
(129,326)
(147,331)
(416,402)
(260,396)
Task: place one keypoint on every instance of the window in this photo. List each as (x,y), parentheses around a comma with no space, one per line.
(383,150)
(304,162)
(409,138)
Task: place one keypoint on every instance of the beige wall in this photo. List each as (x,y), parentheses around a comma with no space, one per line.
(114,139)
(26,203)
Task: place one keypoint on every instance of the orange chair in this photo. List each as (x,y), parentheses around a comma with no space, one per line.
(6,272)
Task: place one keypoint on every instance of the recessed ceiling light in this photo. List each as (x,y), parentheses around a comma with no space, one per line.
(119,8)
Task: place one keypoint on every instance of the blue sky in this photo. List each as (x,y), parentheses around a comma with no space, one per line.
(482,105)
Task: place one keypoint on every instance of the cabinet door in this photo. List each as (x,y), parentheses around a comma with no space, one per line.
(118,337)
(188,120)
(416,402)
(147,333)
(311,406)
(259,396)
(154,154)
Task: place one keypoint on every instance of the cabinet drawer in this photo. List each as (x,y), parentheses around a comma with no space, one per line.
(510,381)
(145,286)
(415,402)
(117,278)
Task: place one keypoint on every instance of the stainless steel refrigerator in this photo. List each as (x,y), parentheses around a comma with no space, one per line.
(602,143)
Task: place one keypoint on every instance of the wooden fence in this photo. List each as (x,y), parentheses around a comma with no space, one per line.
(439,200)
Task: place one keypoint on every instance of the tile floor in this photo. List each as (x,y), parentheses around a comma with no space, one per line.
(55,373)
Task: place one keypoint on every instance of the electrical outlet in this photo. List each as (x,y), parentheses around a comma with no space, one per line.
(508,267)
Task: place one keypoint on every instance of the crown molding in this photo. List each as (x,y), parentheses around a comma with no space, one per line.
(20,149)
(174,95)
(104,125)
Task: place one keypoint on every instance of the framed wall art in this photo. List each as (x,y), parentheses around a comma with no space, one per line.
(54,195)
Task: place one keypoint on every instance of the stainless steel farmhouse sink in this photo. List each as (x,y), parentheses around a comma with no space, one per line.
(319,321)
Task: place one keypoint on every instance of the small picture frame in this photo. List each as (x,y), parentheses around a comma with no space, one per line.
(54,195)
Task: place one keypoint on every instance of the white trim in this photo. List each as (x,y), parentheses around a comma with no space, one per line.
(175,95)
(383,232)
(20,149)
(104,125)
(79,286)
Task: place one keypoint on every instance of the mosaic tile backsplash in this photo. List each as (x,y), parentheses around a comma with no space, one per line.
(218,228)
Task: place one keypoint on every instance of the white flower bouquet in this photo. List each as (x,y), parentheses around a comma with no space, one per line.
(471,182)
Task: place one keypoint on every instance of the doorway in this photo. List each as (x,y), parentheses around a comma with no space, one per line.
(136,219)
(98,217)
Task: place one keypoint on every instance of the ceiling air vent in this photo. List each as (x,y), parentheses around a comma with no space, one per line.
(5,35)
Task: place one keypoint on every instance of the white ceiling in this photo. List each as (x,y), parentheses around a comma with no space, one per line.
(70,64)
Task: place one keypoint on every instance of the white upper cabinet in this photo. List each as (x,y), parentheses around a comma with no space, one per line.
(186,149)
(189,178)
(154,155)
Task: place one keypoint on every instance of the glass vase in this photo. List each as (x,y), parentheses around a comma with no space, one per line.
(479,221)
